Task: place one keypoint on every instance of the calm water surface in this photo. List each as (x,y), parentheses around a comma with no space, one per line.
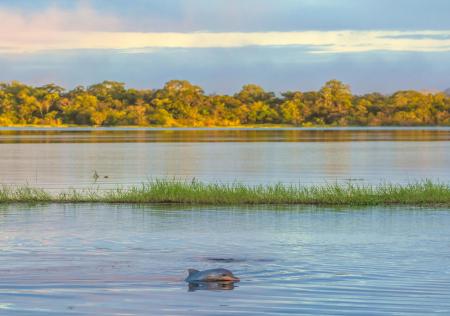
(64,158)
(130,260)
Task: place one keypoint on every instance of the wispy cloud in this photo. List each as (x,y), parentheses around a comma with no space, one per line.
(85,28)
(282,45)
(81,18)
(421,35)
(320,41)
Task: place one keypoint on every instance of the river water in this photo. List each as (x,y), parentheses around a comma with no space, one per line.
(56,159)
(131,260)
(83,259)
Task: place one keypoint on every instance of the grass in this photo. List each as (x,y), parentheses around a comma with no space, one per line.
(195,192)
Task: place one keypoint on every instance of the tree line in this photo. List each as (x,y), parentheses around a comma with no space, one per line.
(180,103)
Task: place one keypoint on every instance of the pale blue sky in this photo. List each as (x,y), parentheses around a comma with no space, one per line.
(372,45)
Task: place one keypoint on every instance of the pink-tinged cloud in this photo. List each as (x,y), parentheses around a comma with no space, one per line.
(82,19)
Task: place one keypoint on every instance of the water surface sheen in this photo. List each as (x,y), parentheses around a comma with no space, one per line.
(58,159)
(130,260)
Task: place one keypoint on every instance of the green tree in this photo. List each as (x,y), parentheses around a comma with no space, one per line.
(335,102)
(180,103)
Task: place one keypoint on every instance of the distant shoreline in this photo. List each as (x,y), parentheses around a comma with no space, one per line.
(182,104)
(219,128)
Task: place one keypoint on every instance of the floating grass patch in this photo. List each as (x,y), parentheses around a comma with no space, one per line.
(195,192)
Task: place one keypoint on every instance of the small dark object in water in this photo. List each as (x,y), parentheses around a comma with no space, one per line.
(106,177)
(225,260)
(213,275)
(235,260)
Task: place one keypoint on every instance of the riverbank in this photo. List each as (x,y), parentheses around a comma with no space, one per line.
(181,192)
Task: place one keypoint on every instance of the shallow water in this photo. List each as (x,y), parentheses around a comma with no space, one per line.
(131,260)
(57,159)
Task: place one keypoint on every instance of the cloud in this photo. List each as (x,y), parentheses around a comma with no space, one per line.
(81,18)
(289,44)
(321,41)
(82,27)
(259,15)
(419,35)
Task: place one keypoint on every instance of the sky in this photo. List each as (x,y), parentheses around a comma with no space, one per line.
(373,45)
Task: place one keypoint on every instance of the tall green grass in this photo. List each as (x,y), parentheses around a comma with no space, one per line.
(195,192)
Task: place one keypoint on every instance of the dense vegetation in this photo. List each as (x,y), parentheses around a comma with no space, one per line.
(179,103)
(164,191)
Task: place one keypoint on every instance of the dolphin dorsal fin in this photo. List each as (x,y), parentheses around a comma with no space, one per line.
(192,271)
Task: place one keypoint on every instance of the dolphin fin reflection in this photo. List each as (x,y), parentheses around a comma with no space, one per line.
(211,286)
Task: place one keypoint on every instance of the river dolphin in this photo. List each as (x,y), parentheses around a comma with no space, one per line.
(213,275)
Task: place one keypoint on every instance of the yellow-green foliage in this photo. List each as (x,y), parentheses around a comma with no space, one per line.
(165,191)
(179,103)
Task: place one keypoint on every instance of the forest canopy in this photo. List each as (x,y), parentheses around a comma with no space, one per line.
(182,104)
